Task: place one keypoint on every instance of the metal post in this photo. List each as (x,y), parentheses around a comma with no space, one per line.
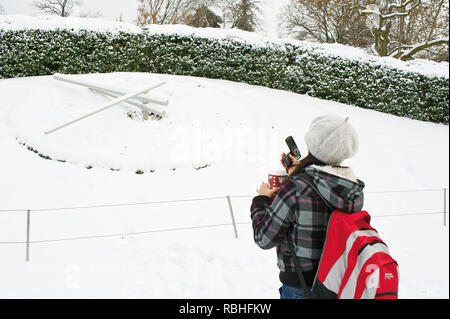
(28,236)
(232,216)
(445,206)
(145,115)
(108,88)
(145,109)
(107,106)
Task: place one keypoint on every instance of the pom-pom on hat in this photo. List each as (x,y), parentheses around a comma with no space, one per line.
(332,139)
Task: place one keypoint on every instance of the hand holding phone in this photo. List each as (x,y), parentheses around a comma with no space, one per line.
(294,153)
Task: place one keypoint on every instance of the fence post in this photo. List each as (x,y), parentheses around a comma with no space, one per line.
(28,236)
(445,206)
(232,216)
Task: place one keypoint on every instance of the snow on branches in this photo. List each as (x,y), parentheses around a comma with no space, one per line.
(403,28)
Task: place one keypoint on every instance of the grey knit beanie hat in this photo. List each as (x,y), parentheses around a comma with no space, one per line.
(331,139)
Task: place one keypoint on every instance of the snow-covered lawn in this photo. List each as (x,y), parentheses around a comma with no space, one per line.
(234,133)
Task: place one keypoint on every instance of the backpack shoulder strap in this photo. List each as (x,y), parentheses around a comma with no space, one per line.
(298,269)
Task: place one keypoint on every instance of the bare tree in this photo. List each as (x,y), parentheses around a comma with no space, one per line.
(433,23)
(62,8)
(163,11)
(90,14)
(427,32)
(120,18)
(403,28)
(327,21)
(2,10)
(397,28)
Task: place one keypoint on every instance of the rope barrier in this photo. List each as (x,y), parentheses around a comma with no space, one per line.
(412,214)
(120,234)
(182,200)
(171,230)
(115,205)
(405,191)
(12,210)
(182,228)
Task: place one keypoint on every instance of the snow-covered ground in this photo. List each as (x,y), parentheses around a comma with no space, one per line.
(238,131)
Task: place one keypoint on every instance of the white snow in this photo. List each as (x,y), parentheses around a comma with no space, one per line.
(238,130)
(17,22)
(51,22)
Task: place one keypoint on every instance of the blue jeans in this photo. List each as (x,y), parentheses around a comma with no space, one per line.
(288,292)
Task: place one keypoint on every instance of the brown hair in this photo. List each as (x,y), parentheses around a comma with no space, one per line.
(307,161)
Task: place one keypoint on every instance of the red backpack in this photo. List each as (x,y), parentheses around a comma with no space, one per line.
(355,262)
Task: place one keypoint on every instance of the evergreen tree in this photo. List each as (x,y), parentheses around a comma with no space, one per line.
(243,14)
(204,18)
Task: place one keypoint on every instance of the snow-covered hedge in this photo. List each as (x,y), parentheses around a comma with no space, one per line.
(280,65)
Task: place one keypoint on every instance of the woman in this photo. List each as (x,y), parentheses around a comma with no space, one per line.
(315,186)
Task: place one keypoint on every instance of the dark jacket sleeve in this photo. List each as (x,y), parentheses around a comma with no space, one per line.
(272,222)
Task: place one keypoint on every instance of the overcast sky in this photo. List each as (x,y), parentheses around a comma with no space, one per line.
(111,10)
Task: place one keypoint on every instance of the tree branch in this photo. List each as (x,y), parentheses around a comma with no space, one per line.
(422,46)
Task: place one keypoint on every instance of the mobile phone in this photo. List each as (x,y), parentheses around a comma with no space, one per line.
(293,150)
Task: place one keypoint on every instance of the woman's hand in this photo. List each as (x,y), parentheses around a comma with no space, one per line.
(294,163)
(265,190)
